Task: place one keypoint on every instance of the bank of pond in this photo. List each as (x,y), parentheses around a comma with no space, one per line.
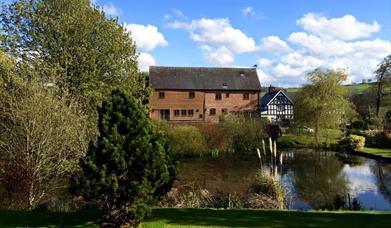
(313,180)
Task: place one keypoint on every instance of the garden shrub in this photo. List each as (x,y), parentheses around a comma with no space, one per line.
(186,141)
(380,139)
(360,125)
(216,137)
(246,132)
(352,142)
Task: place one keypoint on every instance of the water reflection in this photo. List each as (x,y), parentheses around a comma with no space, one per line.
(315,180)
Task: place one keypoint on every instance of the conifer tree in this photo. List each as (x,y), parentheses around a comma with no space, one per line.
(129,167)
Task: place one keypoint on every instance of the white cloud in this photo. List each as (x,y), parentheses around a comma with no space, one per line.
(248,11)
(343,28)
(178,13)
(299,60)
(145,60)
(217,32)
(217,38)
(111,10)
(335,43)
(283,70)
(147,37)
(264,62)
(331,43)
(273,44)
(265,78)
(221,56)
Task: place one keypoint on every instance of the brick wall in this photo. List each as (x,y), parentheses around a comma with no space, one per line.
(233,103)
(178,100)
(201,104)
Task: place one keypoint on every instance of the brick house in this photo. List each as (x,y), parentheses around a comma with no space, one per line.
(202,94)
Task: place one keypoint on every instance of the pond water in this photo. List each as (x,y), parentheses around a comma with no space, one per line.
(312,179)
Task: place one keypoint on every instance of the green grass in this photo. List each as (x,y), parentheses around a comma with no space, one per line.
(355,88)
(206,218)
(384,152)
(358,88)
(303,140)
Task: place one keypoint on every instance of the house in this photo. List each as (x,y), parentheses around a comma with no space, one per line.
(202,94)
(276,105)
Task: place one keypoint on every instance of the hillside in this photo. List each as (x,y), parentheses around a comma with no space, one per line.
(353,88)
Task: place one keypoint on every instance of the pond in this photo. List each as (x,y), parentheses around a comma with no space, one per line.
(312,179)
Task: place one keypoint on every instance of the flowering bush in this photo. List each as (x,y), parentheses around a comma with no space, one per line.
(353,142)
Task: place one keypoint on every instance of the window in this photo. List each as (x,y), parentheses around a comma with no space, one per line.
(191,95)
(227,95)
(161,95)
(184,112)
(246,96)
(190,112)
(224,111)
(176,112)
(212,111)
(218,96)
(280,108)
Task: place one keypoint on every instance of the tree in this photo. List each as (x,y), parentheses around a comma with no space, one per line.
(129,167)
(42,136)
(76,47)
(324,103)
(383,75)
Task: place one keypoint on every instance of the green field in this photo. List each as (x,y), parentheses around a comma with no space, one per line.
(206,218)
(384,152)
(354,88)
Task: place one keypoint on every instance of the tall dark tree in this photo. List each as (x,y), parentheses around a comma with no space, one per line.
(130,166)
(383,84)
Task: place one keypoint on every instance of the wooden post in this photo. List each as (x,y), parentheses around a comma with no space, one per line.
(275,149)
(263,147)
(259,156)
(271,151)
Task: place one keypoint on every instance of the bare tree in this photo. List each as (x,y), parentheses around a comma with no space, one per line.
(42,137)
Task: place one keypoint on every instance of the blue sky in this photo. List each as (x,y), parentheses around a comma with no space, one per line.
(285,38)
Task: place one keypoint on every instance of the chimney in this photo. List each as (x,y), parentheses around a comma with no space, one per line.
(272,89)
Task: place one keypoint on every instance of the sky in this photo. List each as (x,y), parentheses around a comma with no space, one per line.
(286,39)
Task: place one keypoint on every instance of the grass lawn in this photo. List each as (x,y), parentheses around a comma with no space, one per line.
(206,218)
(384,152)
(302,140)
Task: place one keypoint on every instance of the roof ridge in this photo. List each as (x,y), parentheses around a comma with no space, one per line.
(203,67)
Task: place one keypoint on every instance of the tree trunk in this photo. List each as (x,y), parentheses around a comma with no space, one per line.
(378,97)
(317,133)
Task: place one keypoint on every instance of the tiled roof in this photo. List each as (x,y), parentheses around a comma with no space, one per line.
(204,78)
